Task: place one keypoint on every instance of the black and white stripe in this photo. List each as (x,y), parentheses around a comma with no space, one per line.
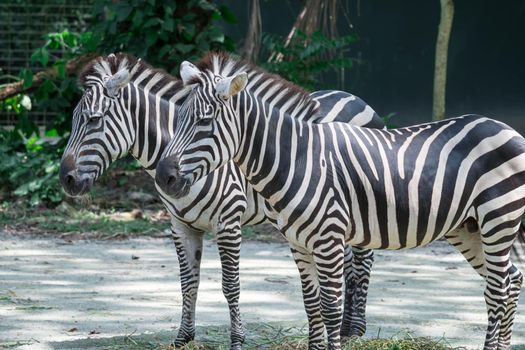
(129,106)
(326,184)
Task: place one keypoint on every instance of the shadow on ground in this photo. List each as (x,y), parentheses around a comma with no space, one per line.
(57,291)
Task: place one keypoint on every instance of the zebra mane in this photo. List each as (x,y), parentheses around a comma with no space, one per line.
(103,66)
(224,64)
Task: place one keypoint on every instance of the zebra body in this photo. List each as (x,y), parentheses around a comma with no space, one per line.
(130,107)
(332,183)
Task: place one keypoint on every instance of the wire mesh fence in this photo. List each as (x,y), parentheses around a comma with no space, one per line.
(23,26)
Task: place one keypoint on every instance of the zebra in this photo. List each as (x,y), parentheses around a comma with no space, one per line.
(130,107)
(332,184)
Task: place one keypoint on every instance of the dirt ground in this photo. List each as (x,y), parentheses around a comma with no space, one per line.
(56,294)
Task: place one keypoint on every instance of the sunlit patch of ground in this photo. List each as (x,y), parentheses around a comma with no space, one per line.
(59,290)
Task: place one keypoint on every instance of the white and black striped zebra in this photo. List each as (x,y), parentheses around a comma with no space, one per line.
(331,183)
(130,107)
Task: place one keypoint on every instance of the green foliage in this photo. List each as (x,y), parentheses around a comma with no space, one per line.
(30,169)
(162,32)
(306,57)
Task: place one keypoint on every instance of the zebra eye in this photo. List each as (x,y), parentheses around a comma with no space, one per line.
(205,121)
(94,118)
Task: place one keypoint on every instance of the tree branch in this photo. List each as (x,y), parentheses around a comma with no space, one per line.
(39,78)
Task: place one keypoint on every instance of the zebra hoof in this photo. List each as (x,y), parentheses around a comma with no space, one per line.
(182,339)
(347,332)
(357,331)
(236,346)
(237,341)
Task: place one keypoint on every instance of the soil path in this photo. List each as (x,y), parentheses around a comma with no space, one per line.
(55,291)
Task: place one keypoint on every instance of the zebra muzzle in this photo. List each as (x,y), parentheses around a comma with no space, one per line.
(170,180)
(73,182)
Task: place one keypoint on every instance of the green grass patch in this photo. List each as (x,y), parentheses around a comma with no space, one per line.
(406,342)
(261,337)
(69,222)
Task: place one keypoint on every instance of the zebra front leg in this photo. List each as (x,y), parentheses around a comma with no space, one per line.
(188,244)
(350,290)
(329,260)
(311,297)
(229,243)
(358,266)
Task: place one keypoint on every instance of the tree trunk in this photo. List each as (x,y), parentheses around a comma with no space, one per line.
(315,15)
(252,42)
(72,66)
(440,68)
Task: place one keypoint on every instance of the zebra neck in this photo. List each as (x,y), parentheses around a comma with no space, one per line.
(272,142)
(152,112)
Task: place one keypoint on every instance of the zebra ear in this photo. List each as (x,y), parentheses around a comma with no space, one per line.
(231,86)
(188,71)
(117,81)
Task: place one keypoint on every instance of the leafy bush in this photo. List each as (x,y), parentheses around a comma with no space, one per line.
(30,169)
(306,56)
(163,32)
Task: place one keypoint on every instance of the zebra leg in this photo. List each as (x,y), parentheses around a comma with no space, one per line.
(497,236)
(229,243)
(468,241)
(189,250)
(310,289)
(516,281)
(350,291)
(329,260)
(358,265)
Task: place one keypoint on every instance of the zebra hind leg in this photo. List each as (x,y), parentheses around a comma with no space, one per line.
(358,266)
(501,291)
(329,260)
(311,295)
(516,281)
(229,243)
(189,250)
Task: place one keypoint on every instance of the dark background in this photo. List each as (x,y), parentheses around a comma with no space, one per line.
(394,55)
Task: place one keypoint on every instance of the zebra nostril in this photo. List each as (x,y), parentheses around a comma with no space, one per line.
(171,180)
(69,180)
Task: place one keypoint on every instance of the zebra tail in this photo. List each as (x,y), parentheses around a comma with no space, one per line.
(517,251)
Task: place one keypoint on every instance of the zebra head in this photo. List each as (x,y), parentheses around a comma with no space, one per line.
(97,136)
(207,134)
